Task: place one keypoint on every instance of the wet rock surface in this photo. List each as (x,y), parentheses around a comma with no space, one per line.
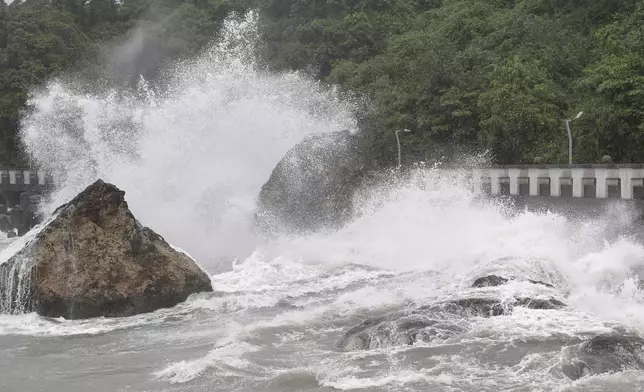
(537,303)
(603,354)
(431,322)
(312,187)
(95,259)
(402,329)
(490,281)
(494,281)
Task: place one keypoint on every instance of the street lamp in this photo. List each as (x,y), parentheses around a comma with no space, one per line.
(570,136)
(398,143)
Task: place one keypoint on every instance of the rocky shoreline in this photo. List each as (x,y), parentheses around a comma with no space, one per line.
(603,353)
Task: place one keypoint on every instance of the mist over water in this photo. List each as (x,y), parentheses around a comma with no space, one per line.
(191,153)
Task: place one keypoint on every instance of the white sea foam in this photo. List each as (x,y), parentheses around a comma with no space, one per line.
(33,325)
(192,153)
(226,357)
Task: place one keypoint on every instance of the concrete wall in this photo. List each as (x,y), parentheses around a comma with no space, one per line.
(576,181)
(576,208)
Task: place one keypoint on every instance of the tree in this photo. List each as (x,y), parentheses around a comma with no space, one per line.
(614,87)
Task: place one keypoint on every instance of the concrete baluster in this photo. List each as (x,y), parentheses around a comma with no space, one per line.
(626,175)
(601,177)
(533,174)
(555,181)
(495,174)
(514,181)
(42,177)
(577,182)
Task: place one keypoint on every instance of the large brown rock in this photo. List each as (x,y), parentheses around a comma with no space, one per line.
(95,259)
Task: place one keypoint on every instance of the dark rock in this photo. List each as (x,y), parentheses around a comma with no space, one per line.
(95,259)
(533,303)
(401,329)
(435,321)
(359,337)
(494,280)
(541,283)
(489,281)
(426,323)
(312,187)
(472,307)
(603,354)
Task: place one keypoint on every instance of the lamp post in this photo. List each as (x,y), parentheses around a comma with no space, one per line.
(570,136)
(398,143)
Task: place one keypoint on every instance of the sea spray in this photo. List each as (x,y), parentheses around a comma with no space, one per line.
(15,286)
(433,220)
(16,272)
(191,153)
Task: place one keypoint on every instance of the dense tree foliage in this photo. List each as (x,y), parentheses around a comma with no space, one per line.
(462,75)
(498,75)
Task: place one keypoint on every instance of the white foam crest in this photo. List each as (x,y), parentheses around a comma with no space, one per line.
(628,380)
(256,273)
(432,221)
(226,358)
(192,154)
(321,293)
(31,324)
(608,283)
(236,303)
(533,324)
(258,282)
(398,378)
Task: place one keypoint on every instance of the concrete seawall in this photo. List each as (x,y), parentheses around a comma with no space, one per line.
(580,181)
(576,208)
(615,218)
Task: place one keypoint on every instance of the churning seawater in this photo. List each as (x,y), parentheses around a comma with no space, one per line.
(192,159)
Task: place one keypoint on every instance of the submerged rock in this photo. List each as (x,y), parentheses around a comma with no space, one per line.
(95,259)
(603,354)
(469,307)
(398,329)
(490,281)
(312,187)
(534,303)
(430,322)
(494,281)
(541,283)
(426,323)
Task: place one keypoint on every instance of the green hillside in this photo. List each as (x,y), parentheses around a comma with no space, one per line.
(462,75)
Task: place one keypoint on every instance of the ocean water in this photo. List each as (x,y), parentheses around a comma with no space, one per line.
(192,157)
